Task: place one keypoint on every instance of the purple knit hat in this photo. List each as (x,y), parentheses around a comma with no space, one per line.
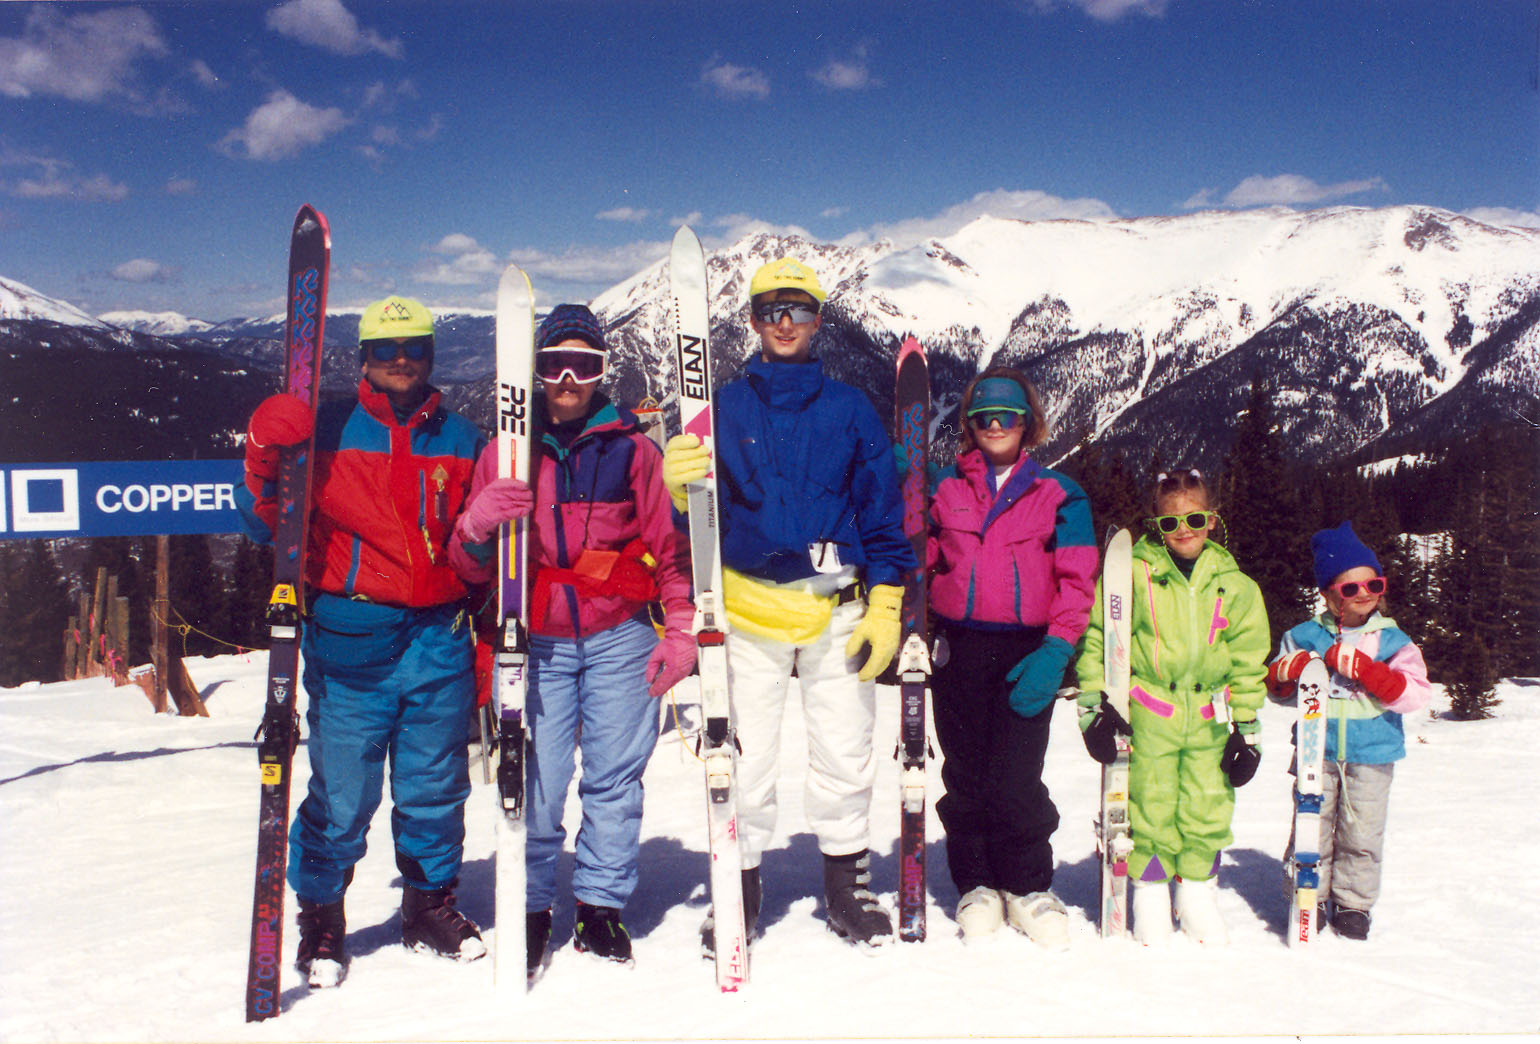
(1338,550)
(570,320)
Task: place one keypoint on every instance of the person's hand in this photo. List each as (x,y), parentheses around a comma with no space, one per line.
(1242,754)
(1037,675)
(1285,671)
(879,629)
(685,460)
(1100,725)
(501,500)
(280,420)
(673,659)
(1383,683)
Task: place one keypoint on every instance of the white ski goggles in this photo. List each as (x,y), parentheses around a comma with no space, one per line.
(583,365)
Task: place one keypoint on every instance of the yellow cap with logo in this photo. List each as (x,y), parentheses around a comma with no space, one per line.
(787,273)
(395,317)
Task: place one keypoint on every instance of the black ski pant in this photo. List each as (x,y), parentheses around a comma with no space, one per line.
(996,810)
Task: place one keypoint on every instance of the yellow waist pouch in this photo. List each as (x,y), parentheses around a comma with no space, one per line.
(783,614)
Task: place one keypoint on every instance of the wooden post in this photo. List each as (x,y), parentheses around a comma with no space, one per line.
(94,667)
(83,627)
(159,638)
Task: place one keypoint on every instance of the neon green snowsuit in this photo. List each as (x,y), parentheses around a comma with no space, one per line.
(1193,640)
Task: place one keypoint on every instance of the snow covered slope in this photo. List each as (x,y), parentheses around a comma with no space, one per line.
(128,856)
(19,301)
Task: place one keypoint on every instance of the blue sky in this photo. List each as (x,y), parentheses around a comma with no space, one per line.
(152,155)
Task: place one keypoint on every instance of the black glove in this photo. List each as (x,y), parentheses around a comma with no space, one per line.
(1242,753)
(1100,732)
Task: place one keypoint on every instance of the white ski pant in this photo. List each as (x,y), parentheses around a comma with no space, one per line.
(838,709)
(1355,803)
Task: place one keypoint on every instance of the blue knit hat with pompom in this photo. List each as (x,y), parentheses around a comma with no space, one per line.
(1338,550)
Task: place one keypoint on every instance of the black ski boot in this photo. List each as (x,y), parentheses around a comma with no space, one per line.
(537,939)
(1350,924)
(431,924)
(322,928)
(598,931)
(751,897)
(852,910)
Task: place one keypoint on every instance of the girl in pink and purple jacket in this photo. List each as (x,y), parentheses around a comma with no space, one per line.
(1012,567)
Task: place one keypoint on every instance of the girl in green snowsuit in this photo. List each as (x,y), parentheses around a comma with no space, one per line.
(1199,646)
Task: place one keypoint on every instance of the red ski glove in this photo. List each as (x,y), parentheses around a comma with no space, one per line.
(1285,671)
(278,421)
(1383,683)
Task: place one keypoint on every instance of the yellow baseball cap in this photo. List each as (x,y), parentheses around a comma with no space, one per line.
(787,273)
(395,317)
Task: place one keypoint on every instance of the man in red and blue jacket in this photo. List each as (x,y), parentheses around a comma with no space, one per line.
(387,649)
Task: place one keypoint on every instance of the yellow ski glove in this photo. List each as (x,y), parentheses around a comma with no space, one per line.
(685,460)
(879,629)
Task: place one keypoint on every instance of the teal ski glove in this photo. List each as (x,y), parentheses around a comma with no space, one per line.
(1035,680)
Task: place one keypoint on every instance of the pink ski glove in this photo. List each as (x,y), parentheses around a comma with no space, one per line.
(501,500)
(674,658)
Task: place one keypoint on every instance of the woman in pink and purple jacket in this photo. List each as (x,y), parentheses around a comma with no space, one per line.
(1012,565)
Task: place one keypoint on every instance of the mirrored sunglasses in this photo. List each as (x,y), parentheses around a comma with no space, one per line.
(1006,419)
(1193,520)
(583,365)
(1375,585)
(385,349)
(773,312)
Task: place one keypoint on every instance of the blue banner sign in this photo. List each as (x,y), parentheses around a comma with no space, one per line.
(119,498)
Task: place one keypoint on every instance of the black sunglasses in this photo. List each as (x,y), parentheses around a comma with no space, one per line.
(773,312)
(385,349)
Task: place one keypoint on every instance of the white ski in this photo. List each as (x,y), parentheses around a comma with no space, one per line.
(510,681)
(687,282)
(1113,840)
(1309,757)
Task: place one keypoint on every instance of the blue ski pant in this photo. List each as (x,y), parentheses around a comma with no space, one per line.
(589,694)
(383,683)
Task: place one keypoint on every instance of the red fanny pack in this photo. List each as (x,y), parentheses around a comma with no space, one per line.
(625,573)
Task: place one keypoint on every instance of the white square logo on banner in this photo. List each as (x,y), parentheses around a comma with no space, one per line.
(45,500)
(5,516)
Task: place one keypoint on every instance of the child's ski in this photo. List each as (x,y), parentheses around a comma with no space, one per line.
(1309,754)
(1113,841)
(510,681)
(687,283)
(309,258)
(912,425)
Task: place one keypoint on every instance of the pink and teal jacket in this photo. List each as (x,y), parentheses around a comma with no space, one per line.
(1021,556)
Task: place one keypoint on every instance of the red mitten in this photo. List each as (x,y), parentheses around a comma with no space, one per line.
(1285,671)
(278,421)
(1382,682)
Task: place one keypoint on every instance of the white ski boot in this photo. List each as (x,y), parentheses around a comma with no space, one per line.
(1040,917)
(980,914)
(1152,912)
(1197,907)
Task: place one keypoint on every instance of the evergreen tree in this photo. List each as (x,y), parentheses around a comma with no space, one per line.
(1266,528)
(197,596)
(33,615)
(1471,695)
(251,579)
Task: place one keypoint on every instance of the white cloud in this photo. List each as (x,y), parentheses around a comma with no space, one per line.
(735,226)
(1022,205)
(86,57)
(692,219)
(57,179)
(847,74)
(469,264)
(329,25)
(181,187)
(142,270)
(633,214)
(281,127)
(1294,189)
(1504,216)
(734,81)
(203,74)
(1106,10)
(592,266)
(833,212)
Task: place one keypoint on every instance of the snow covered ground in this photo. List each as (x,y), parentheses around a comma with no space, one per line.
(126,875)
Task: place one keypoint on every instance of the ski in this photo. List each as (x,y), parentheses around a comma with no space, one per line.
(1113,840)
(1309,755)
(510,680)
(309,257)
(912,426)
(692,355)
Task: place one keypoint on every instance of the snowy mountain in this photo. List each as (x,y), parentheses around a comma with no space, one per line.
(1368,326)
(164,324)
(1378,332)
(21,303)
